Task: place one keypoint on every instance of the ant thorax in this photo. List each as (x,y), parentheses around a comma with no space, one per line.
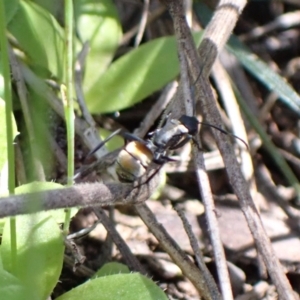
(170,135)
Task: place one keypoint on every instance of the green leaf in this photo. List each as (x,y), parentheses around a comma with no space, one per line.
(135,76)
(98,23)
(264,74)
(40,36)
(53,7)
(111,269)
(11,7)
(12,289)
(40,251)
(120,286)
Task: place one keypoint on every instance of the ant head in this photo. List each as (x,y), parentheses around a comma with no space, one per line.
(191,123)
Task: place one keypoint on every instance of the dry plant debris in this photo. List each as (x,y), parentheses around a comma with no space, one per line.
(271,30)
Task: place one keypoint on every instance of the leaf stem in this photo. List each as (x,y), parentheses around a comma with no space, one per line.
(68,102)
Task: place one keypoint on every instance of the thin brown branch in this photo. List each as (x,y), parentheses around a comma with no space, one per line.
(156,109)
(185,46)
(80,195)
(152,17)
(27,113)
(178,256)
(214,39)
(40,87)
(131,261)
(91,131)
(197,252)
(143,23)
(79,68)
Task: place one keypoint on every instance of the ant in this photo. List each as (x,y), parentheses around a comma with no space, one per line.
(135,158)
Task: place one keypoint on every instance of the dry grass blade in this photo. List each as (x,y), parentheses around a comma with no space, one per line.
(185,47)
(131,261)
(195,246)
(177,255)
(214,39)
(153,238)
(22,92)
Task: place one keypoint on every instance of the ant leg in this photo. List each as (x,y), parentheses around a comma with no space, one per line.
(100,145)
(83,232)
(130,137)
(148,178)
(186,140)
(182,143)
(140,183)
(169,159)
(197,144)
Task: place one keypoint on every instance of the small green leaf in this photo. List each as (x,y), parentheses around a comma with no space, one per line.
(40,251)
(265,74)
(12,289)
(53,7)
(111,269)
(11,7)
(120,286)
(135,76)
(40,36)
(98,23)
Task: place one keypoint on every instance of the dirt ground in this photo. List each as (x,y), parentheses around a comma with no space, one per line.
(278,44)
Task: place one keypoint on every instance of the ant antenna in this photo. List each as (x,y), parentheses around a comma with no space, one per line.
(225,132)
(213,126)
(191,124)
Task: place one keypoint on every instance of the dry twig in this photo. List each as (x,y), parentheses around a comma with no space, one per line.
(82,195)
(195,246)
(178,256)
(215,36)
(131,261)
